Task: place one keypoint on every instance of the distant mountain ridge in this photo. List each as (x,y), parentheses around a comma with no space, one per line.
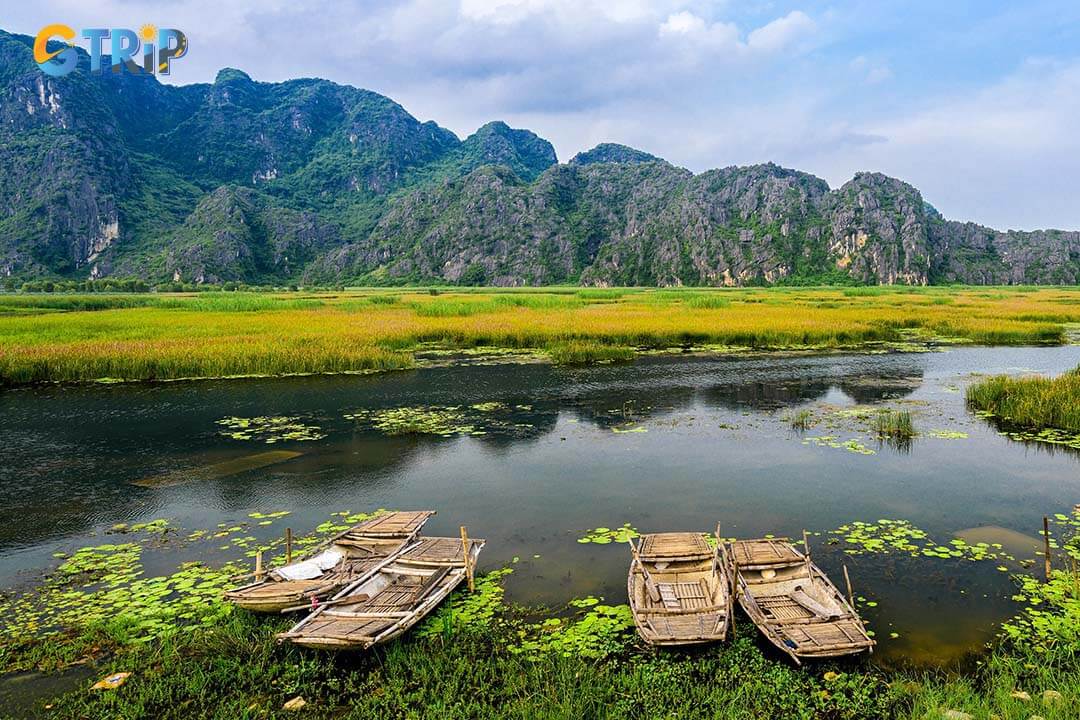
(311,181)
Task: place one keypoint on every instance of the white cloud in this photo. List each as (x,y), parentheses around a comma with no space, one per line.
(1004,155)
(516,11)
(782,32)
(682,23)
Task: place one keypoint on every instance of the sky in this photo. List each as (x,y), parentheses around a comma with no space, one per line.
(976,103)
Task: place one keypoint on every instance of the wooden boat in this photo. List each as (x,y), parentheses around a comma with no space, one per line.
(794,603)
(332,565)
(390,598)
(679,589)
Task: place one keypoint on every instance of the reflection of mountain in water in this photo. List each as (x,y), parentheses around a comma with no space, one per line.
(70,455)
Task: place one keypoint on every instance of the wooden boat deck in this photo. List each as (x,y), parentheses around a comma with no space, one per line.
(764,552)
(674,546)
(439,551)
(400,524)
(826,638)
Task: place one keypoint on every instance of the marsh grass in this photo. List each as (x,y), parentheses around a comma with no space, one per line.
(1035,402)
(894,425)
(237,302)
(801,420)
(88,337)
(586,352)
(707,302)
(39,302)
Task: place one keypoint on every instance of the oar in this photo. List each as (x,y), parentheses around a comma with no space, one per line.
(716,552)
(650,587)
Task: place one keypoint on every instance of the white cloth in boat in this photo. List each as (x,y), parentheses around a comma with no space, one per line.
(311,568)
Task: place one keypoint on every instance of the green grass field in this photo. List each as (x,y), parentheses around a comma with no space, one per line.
(52,337)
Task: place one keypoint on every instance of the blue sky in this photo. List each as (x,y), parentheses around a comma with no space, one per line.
(975,103)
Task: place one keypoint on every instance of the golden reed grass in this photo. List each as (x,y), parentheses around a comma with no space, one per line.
(216,336)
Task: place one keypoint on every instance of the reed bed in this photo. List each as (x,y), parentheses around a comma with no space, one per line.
(75,338)
(801,420)
(1035,402)
(587,352)
(894,424)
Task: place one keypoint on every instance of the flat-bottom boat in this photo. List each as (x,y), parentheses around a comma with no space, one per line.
(332,565)
(794,603)
(679,589)
(390,598)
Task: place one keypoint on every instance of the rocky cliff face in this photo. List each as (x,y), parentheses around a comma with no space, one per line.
(307,179)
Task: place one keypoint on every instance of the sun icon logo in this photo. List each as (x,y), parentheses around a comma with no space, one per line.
(148,33)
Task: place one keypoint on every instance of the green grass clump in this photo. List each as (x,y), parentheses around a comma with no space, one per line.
(449,307)
(801,419)
(584,352)
(869,291)
(237,302)
(707,302)
(39,302)
(593,294)
(894,424)
(1035,402)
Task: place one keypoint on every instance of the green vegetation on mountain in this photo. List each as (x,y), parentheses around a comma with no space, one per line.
(308,181)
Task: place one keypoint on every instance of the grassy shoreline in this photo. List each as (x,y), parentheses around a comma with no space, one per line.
(234,669)
(1032,402)
(79,338)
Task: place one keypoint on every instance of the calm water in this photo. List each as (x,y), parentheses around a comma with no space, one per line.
(716,448)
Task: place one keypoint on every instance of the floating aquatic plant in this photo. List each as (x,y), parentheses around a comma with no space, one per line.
(854,445)
(601,631)
(1050,436)
(108,582)
(269,429)
(947,434)
(1051,616)
(603,535)
(469,610)
(887,536)
(444,421)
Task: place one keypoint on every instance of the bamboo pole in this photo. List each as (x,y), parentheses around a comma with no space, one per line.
(1046,545)
(468,564)
(806,552)
(288,546)
(716,552)
(850,595)
(733,568)
(258,566)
